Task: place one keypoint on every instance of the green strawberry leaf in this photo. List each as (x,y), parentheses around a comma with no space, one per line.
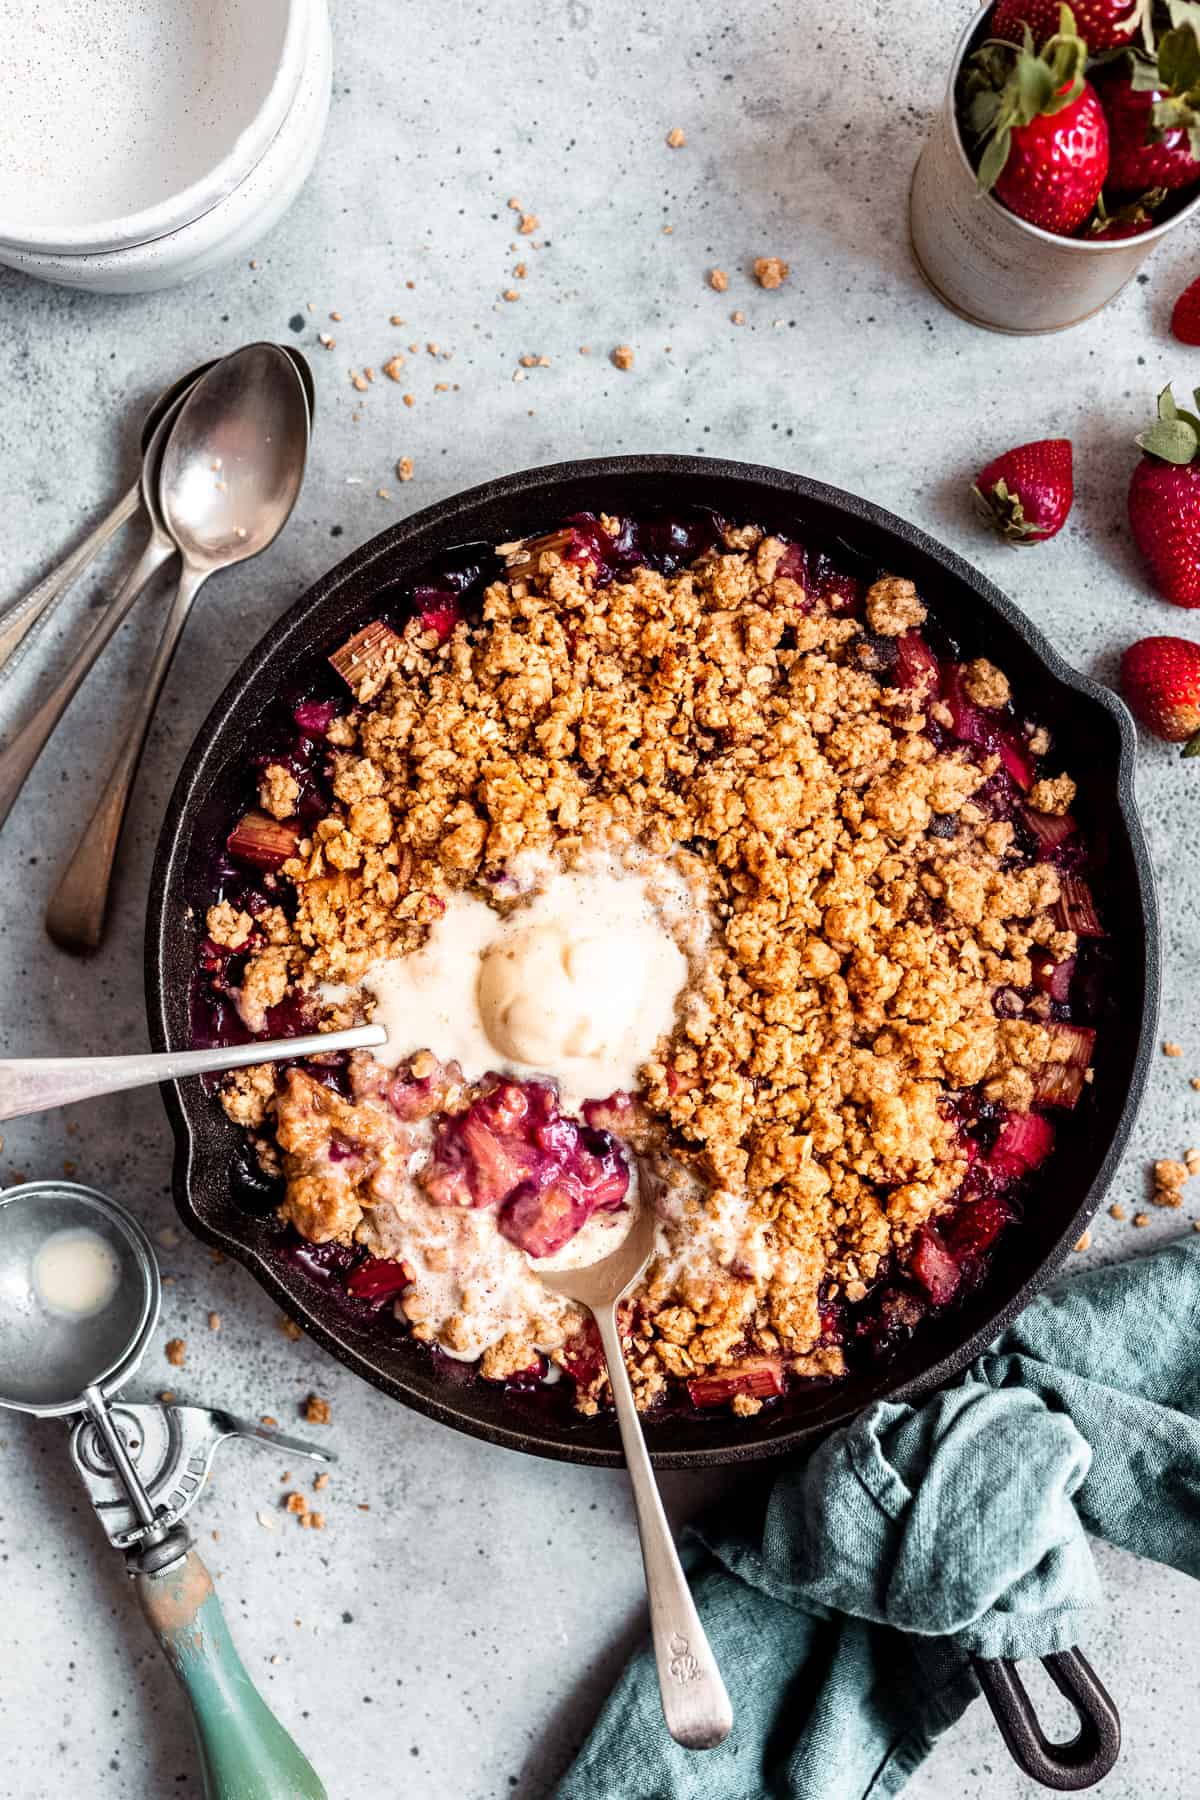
(1192,747)
(993,160)
(1035,88)
(1172,440)
(1167,408)
(1144,77)
(1189,418)
(1179,58)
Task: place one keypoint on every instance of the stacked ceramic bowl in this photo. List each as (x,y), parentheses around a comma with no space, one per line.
(143,142)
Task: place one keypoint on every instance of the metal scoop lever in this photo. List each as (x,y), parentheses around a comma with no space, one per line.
(171,1448)
(34,1084)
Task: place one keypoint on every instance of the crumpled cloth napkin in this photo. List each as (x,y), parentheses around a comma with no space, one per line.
(844,1611)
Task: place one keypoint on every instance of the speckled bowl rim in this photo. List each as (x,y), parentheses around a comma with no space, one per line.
(396,554)
(127,231)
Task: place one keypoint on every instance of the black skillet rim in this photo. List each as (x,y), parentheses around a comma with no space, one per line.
(745,1444)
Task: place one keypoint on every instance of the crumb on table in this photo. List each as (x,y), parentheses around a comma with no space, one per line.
(176,1351)
(771,271)
(316,1410)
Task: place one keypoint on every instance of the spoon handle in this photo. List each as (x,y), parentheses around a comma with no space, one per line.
(76,913)
(23,614)
(18,757)
(695,1703)
(37,1083)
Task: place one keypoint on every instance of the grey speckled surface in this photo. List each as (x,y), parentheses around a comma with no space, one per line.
(452,1641)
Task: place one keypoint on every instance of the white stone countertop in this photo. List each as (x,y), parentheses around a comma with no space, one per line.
(452,1631)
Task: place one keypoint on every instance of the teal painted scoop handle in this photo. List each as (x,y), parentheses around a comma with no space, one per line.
(245,1754)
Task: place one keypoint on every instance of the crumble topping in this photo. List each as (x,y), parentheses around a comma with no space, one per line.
(868,905)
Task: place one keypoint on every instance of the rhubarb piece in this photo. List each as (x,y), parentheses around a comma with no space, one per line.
(1024,1142)
(1072,1044)
(1076,910)
(1053,978)
(934,1267)
(265,842)
(761,1376)
(365,660)
(379,1279)
(1058,1084)
(540,1220)
(916,664)
(1016,759)
(1050,829)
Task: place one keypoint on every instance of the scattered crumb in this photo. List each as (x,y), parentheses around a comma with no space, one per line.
(363,1506)
(167,1395)
(168,1237)
(622,357)
(510,294)
(520,271)
(410,399)
(395,319)
(358,381)
(295,1502)
(514,204)
(586,350)
(529,224)
(718,279)
(317,1520)
(675,138)
(738,318)
(1171,1049)
(1116,1210)
(265,1520)
(316,1410)
(291,1330)
(321,1481)
(404,469)
(1196,1224)
(326,342)
(214,1321)
(1141,1219)
(176,1351)
(1169,1179)
(383,493)
(69,1168)
(273,1659)
(1195,1082)
(393,366)
(1192,1159)
(1085,1242)
(771,271)
(216,1536)
(336,317)
(268,1419)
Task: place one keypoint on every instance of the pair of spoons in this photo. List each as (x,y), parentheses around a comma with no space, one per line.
(223,458)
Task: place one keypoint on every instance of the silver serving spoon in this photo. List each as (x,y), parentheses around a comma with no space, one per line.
(230,475)
(695,1703)
(21,617)
(33,1084)
(19,755)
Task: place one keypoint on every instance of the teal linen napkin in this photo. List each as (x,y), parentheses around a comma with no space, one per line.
(844,1610)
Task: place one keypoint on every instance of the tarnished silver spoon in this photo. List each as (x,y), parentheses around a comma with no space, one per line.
(230,475)
(695,1704)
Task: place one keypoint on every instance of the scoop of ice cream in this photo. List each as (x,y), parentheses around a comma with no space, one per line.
(556,990)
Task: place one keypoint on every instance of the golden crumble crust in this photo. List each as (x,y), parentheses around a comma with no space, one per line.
(848,987)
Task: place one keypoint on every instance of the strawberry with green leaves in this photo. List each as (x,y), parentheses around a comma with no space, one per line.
(1103,24)
(1027,493)
(1152,103)
(1164,501)
(1160,678)
(1041,125)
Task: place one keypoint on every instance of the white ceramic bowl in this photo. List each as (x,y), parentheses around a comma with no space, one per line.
(239,218)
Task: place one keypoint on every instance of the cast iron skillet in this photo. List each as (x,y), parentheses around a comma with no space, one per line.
(1090,724)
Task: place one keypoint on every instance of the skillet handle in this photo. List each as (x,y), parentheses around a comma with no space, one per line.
(1089,1756)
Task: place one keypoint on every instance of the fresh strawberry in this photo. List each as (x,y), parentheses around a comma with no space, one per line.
(1104,24)
(1164,501)
(1027,493)
(1152,102)
(1160,678)
(1129,220)
(1043,129)
(1185,318)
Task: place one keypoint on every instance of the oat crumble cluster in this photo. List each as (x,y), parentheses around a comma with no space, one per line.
(887,935)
